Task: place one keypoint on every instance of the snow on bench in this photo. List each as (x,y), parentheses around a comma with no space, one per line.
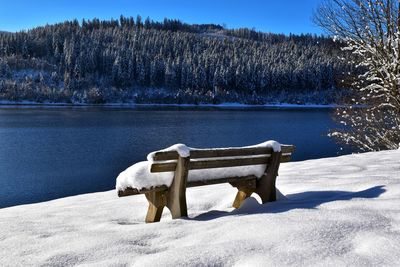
(166,174)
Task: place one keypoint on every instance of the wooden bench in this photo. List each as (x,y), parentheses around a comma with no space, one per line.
(174,197)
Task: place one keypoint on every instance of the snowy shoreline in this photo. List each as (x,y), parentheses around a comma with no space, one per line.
(134,105)
(338,211)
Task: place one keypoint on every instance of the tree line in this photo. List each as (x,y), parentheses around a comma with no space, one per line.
(137,60)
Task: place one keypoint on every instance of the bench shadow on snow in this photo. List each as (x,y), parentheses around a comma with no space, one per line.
(304,200)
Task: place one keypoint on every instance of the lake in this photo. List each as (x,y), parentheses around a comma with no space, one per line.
(53,152)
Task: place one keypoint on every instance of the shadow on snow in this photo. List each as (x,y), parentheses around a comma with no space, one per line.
(304,200)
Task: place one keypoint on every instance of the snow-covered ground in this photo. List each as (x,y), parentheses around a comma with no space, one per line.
(342,211)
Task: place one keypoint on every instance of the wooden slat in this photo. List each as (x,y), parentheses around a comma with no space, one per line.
(217,163)
(163,167)
(221,180)
(213,153)
(223,152)
(288,149)
(224,163)
(286,158)
(134,191)
(165,155)
(231,152)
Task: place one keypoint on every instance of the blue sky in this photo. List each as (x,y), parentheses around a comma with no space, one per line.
(279,16)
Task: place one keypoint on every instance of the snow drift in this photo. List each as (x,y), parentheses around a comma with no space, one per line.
(342,211)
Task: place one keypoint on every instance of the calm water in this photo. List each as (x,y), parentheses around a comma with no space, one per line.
(47,153)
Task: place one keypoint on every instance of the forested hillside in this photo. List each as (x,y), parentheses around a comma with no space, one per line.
(130,60)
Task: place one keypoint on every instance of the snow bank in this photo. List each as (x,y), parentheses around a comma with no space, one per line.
(342,211)
(139,175)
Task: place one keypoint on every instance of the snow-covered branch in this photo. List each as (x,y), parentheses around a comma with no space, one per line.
(371,31)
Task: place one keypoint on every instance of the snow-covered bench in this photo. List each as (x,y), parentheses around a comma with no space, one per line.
(167,173)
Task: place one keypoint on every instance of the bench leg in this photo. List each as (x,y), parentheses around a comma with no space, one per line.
(241,196)
(267,190)
(245,189)
(266,184)
(176,200)
(157,202)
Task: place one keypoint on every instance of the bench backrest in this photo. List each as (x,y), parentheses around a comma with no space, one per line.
(220,158)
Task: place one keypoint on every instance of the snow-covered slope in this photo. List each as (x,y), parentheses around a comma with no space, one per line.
(336,212)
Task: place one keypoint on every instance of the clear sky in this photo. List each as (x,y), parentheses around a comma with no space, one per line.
(278,16)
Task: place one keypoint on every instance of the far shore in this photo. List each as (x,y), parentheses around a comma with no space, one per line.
(134,105)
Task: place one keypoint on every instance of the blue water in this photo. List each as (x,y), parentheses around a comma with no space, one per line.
(48,153)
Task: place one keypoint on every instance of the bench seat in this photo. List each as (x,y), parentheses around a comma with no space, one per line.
(134,191)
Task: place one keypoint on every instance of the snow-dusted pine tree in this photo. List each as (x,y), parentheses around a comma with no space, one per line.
(370,31)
